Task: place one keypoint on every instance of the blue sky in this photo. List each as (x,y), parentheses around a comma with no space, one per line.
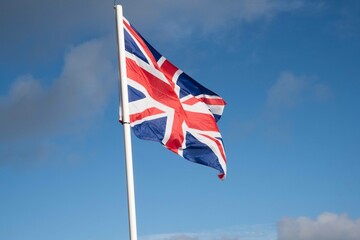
(289,71)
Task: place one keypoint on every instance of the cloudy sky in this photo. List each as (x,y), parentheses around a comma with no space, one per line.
(288,69)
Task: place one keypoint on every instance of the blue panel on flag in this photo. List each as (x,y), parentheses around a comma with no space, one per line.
(217,117)
(155,53)
(190,86)
(199,152)
(153,130)
(132,47)
(157,114)
(135,94)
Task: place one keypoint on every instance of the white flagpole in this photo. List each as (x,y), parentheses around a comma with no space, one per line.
(126,121)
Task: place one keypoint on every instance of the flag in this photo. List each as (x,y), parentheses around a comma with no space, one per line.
(168,106)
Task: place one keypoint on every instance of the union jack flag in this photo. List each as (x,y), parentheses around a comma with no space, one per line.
(168,106)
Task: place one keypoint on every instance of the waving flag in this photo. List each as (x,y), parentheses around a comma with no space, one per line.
(168,106)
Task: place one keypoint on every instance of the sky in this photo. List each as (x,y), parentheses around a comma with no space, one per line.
(288,70)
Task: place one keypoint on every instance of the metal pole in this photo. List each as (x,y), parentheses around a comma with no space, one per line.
(126,122)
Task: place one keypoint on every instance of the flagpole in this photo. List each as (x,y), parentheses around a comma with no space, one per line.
(126,121)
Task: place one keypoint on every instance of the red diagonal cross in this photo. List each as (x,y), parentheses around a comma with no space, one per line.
(165,94)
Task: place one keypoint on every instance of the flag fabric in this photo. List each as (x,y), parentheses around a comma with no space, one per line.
(168,106)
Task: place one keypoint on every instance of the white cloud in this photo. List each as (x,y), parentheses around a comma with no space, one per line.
(248,232)
(173,237)
(43,29)
(290,91)
(328,226)
(30,110)
(81,91)
(287,92)
(322,92)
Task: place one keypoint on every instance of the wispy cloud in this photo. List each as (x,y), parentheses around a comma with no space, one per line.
(68,18)
(180,19)
(47,33)
(327,226)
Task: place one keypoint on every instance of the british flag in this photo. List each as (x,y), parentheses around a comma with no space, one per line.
(168,106)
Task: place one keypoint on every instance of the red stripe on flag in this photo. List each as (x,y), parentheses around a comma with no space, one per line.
(201,121)
(142,43)
(168,69)
(219,145)
(157,88)
(191,101)
(164,94)
(177,136)
(212,101)
(148,112)
(208,101)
